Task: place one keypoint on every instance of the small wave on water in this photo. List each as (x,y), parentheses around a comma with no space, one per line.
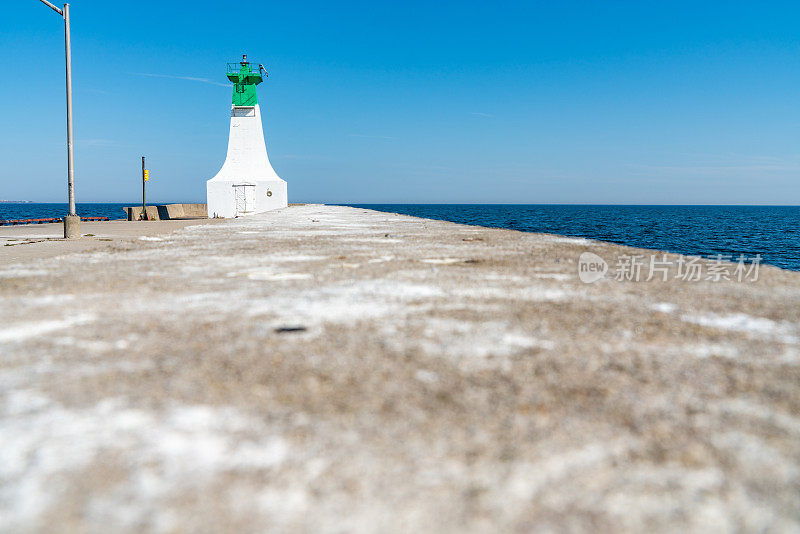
(771,231)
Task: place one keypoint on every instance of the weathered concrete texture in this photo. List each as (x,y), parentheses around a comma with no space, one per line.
(72,227)
(36,241)
(330,369)
(185,211)
(167,212)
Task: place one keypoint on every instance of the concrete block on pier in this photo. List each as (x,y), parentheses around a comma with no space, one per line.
(168,212)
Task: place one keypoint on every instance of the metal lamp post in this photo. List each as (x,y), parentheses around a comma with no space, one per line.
(72,223)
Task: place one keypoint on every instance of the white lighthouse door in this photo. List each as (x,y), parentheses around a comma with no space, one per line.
(245,198)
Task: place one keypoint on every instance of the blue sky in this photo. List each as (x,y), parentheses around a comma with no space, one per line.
(517,102)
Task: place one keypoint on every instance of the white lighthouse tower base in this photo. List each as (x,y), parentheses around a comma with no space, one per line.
(247,183)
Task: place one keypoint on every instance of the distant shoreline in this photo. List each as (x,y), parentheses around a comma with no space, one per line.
(16,202)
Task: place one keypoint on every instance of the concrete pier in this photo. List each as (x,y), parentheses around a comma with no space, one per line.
(332,369)
(32,242)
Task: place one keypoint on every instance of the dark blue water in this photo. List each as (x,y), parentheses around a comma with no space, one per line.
(772,231)
(43,211)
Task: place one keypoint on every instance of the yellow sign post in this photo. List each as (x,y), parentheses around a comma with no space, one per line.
(145,177)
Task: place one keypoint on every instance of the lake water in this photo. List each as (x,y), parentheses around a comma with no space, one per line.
(31,210)
(771,231)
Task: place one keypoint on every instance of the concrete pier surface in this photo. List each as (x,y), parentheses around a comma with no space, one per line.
(34,241)
(332,369)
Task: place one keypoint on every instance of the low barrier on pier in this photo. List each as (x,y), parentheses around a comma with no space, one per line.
(167,212)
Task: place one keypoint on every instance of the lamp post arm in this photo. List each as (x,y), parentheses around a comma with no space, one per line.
(54,8)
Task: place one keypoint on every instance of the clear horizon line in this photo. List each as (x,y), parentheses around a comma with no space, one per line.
(373,203)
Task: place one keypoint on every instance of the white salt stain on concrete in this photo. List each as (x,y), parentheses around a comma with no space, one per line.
(527,480)
(562,239)
(96,346)
(244,265)
(664,307)
(278,277)
(269,275)
(791,356)
(475,346)
(425,376)
(289,258)
(35,301)
(246,261)
(542,294)
(747,408)
(755,455)
(713,350)
(15,272)
(650,495)
(370,240)
(505,277)
(345,302)
(150,256)
(442,261)
(22,331)
(163,455)
(554,276)
(382,259)
(756,326)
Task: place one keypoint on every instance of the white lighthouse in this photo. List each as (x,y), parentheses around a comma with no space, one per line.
(247,183)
